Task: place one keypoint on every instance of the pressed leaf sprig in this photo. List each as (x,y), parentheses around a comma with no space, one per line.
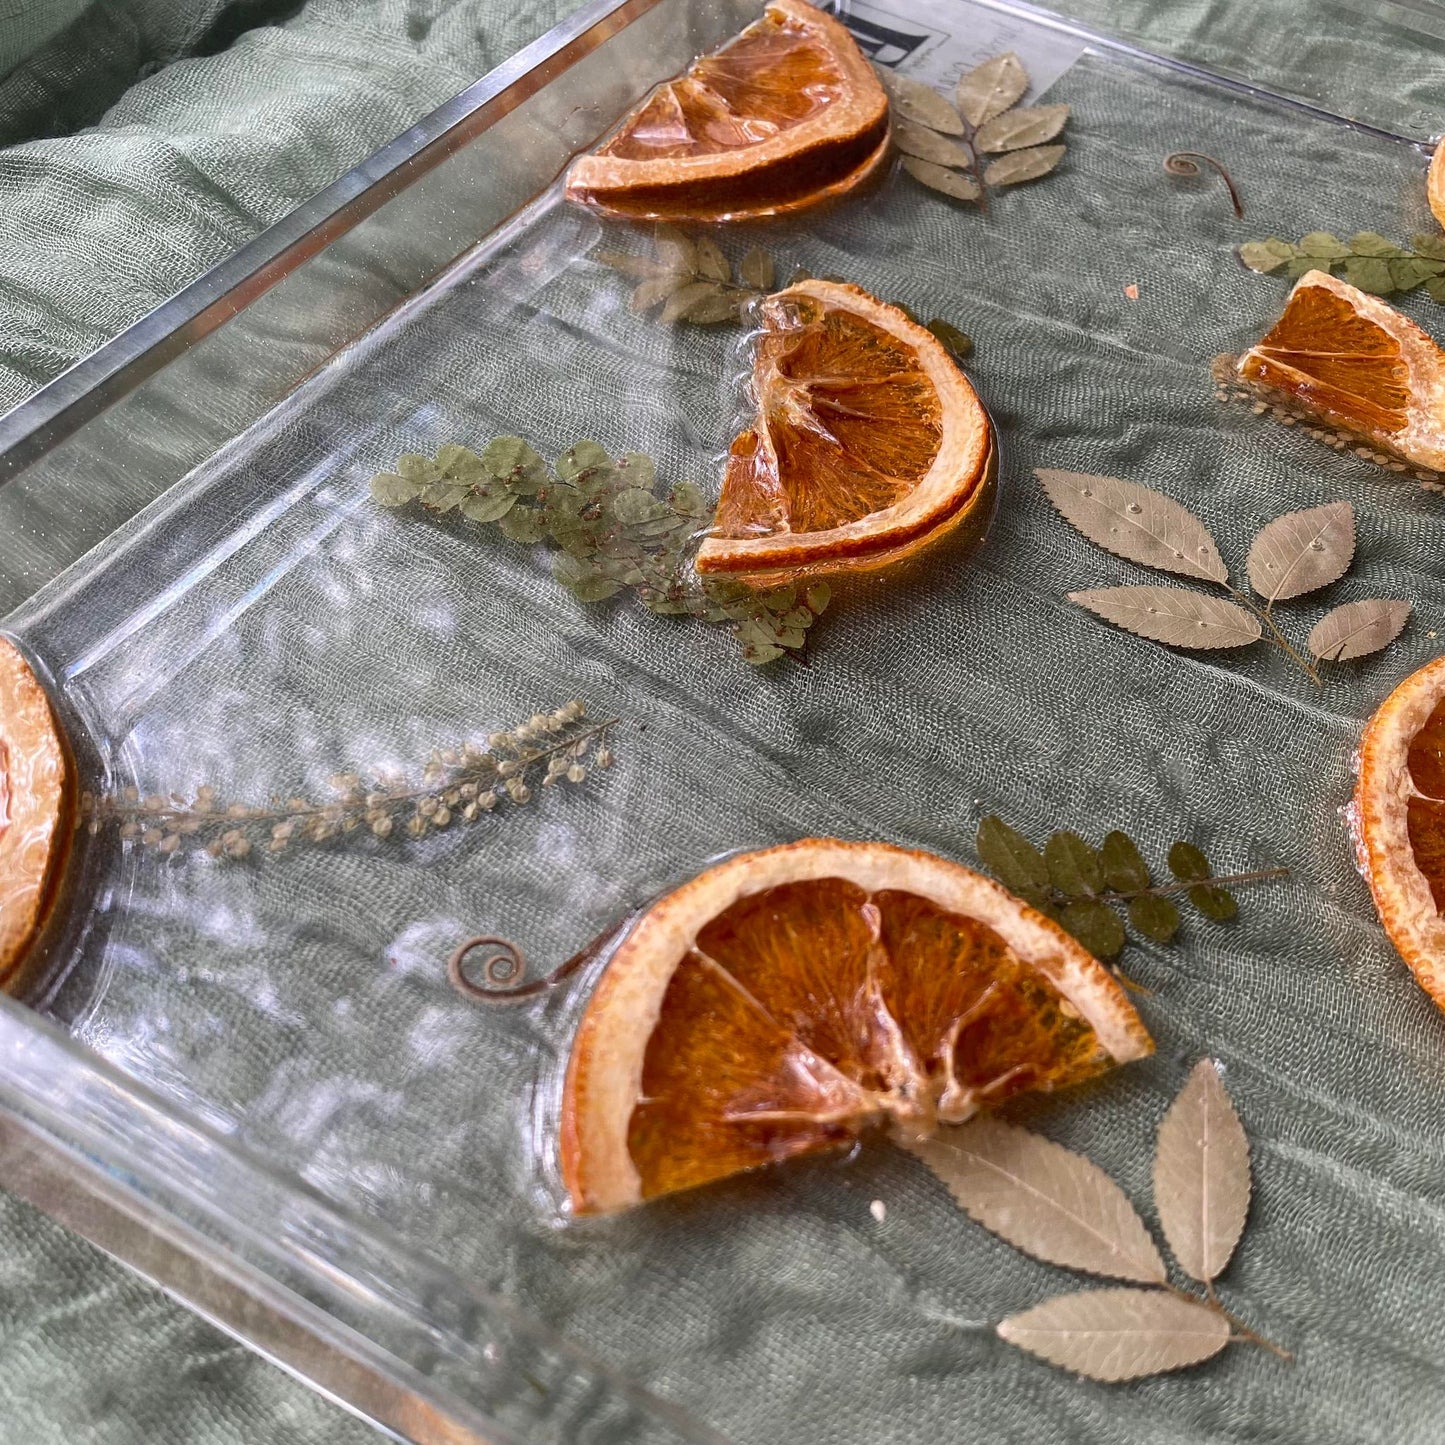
(689,279)
(459,785)
(1366,260)
(982,138)
(1293,555)
(1060,1207)
(1081,886)
(611,529)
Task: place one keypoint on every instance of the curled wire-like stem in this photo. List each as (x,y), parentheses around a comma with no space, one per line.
(1186,163)
(503,969)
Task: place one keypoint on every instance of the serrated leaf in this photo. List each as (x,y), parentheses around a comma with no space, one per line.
(757,269)
(1323,244)
(1266,256)
(1216,903)
(1043,1199)
(1177,616)
(938,178)
(1015,129)
(1201,1175)
(1358,628)
(928,145)
(1411,271)
(1187,863)
(1013,860)
(1302,551)
(1121,864)
(712,309)
(1019,166)
(629,264)
(1371,243)
(1369,273)
(480,508)
(391,490)
(674,250)
(817,597)
(958,344)
(921,103)
(1118,1334)
(1073,865)
(1154,917)
(991,88)
(656,291)
(1136,523)
(1095,925)
(686,297)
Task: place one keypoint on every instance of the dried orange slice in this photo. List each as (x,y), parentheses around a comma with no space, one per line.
(783,1001)
(785,115)
(1435,183)
(36,816)
(1399,817)
(1349,359)
(869,442)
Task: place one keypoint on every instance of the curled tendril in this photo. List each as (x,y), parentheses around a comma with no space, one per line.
(503,967)
(1186,163)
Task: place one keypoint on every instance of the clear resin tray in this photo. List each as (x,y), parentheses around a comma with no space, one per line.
(252,1078)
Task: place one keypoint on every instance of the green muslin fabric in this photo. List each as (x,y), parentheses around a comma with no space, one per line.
(843,1330)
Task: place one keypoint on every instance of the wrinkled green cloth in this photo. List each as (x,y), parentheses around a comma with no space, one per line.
(199,156)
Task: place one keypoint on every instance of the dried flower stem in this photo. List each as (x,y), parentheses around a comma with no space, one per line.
(1186,163)
(1266,616)
(1243,1332)
(1263,875)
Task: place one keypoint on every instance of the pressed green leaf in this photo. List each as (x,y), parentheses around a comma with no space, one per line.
(583,457)
(1323,244)
(569,570)
(481,508)
(1154,917)
(1096,926)
(595,588)
(818,597)
(391,490)
(1436,288)
(682,301)
(635,505)
(1013,860)
(655,291)
(757,269)
(419,469)
(1298,266)
(1431,246)
(524,525)
(462,464)
(443,496)
(1121,863)
(1266,256)
(639,469)
(781,600)
(507,456)
(1214,902)
(1073,865)
(1412,271)
(687,499)
(1371,243)
(1187,863)
(1370,273)
(758,653)
(713,309)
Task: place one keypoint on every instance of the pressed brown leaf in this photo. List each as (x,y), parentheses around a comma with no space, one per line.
(1201,1175)
(1136,523)
(1118,1334)
(1176,615)
(1358,628)
(674,250)
(920,103)
(686,297)
(938,178)
(989,89)
(757,269)
(1302,551)
(654,292)
(710,310)
(1043,1199)
(1019,166)
(928,145)
(712,265)
(629,263)
(1015,129)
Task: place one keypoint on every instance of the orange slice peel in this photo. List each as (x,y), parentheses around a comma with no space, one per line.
(869,443)
(784,1001)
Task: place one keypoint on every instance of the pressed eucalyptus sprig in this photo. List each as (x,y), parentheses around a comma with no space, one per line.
(947,146)
(611,528)
(1366,260)
(458,785)
(1061,1208)
(689,279)
(1081,886)
(1292,556)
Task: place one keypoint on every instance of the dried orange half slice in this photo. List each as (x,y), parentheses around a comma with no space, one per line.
(869,442)
(1347,358)
(783,1001)
(1399,817)
(785,115)
(1435,183)
(36,815)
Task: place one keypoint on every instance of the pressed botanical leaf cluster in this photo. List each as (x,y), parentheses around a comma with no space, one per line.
(1366,260)
(1292,556)
(1063,1209)
(459,785)
(981,139)
(611,526)
(1082,887)
(690,279)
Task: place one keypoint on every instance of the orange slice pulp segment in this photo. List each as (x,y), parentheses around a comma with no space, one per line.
(784,1001)
(1399,814)
(869,442)
(1347,358)
(787,114)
